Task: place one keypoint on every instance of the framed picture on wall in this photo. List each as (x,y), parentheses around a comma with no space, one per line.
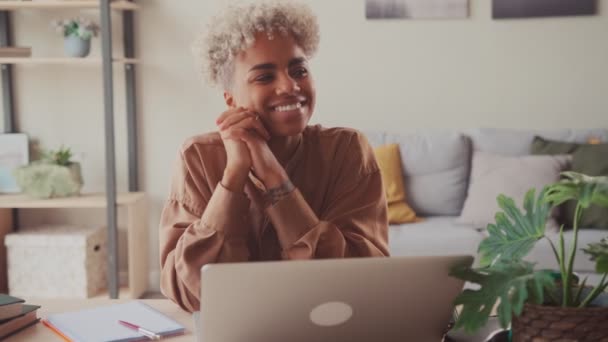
(542,8)
(14,152)
(416,9)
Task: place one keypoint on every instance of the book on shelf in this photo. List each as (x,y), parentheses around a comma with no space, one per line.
(15,51)
(26,317)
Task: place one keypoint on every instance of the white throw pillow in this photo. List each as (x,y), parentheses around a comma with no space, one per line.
(513,176)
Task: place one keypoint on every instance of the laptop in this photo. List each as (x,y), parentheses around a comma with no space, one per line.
(360,299)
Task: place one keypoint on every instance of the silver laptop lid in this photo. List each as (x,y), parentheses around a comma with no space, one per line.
(364,299)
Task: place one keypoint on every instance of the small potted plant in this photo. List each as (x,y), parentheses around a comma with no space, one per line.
(54,175)
(77,33)
(542,305)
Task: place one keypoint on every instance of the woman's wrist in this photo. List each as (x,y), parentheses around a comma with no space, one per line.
(275,179)
(234,179)
(274,194)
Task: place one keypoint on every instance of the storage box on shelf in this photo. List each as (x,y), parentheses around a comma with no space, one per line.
(57,261)
(136,226)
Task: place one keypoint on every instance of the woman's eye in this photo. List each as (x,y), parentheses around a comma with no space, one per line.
(264,78)
(300,72)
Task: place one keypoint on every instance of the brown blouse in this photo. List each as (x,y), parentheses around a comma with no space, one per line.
(337,210)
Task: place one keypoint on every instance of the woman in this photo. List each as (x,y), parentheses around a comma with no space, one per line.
(267,186)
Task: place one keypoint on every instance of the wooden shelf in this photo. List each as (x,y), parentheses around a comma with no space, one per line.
(63,60)
(97,200)
(62,4)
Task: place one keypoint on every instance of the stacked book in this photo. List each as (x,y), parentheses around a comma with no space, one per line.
(15,315)
(15,51)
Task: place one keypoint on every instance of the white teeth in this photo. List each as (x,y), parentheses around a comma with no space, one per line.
(288,107)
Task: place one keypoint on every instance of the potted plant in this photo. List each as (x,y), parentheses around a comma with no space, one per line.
(77,33)
(542,305)
(54,175)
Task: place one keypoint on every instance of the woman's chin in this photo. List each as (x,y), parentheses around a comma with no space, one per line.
(290,122)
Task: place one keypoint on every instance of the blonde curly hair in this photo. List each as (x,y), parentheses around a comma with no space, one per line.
(234,31)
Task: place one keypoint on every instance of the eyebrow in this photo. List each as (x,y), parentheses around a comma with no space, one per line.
(271,66)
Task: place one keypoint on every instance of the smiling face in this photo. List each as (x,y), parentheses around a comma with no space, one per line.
(272,78)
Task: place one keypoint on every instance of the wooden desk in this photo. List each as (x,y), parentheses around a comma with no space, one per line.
(40,333)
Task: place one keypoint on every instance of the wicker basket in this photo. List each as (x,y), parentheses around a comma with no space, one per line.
(539,323)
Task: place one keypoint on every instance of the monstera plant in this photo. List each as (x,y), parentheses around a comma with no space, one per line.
(515,288)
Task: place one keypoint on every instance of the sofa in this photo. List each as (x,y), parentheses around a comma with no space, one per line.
(436,168)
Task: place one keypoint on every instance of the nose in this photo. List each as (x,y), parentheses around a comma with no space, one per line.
(286,85)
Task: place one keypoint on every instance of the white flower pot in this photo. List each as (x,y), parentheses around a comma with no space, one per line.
(75,46)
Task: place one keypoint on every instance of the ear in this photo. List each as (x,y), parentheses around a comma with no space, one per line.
(229,99)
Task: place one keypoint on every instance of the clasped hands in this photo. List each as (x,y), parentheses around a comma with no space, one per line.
(245,139)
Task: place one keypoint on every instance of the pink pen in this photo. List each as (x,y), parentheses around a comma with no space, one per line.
(149,334)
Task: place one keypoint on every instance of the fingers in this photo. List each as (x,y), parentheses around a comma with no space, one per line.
(239,133)
(228,113)
(253,125)
(259,128)
(243,119)
(234,118)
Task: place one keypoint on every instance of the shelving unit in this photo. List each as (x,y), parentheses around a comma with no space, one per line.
(133,200)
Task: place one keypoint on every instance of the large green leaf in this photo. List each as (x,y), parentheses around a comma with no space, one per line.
(513,283)
(514,233)
(601,264)
(599,254)
(585,189)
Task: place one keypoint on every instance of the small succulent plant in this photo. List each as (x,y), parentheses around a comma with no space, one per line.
(61,156)
(80,27)
(53,175)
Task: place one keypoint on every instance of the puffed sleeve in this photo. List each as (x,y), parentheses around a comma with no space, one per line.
(198,225)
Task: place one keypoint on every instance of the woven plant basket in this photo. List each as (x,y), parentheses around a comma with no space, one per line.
(539,323)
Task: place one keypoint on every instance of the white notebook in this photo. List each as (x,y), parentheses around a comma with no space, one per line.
(101,323)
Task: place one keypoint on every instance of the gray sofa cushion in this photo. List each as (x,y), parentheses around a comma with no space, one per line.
(436,166)
(512,176)
(517,142)
(434,236)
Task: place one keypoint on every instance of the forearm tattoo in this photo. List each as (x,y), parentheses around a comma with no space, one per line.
(274,195)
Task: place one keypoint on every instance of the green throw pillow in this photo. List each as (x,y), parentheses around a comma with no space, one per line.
(544,146)
(589,159)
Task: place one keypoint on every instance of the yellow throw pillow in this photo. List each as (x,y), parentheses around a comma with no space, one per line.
(389,161)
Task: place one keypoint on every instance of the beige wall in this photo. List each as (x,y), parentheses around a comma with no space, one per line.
(370,74)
